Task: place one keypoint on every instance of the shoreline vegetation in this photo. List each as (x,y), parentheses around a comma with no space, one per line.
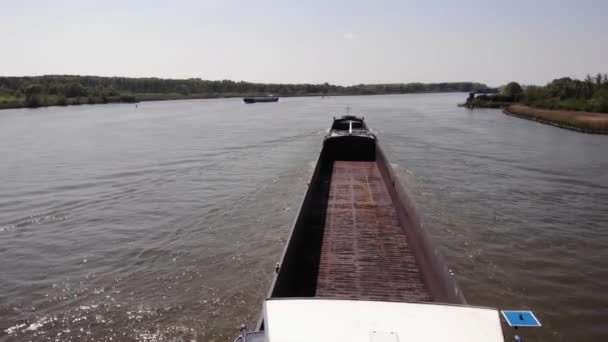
(64,90)
(586,122)
(580,105)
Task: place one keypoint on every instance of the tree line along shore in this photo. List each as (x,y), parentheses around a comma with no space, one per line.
(63,90)
(580,105)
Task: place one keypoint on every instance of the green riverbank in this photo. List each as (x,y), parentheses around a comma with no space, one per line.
(586,122)
(62,90)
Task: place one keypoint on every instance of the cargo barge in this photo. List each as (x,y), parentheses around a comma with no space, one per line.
(261,99)
(359,265)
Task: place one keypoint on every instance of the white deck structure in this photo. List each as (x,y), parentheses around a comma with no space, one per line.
(325,320)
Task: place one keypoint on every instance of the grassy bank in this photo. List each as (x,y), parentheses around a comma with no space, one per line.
(566,94)
(484,101)
(581,121)
(8,102)
(59,90)
(53,100)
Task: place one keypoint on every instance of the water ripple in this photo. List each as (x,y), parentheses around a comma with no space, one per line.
(165,223)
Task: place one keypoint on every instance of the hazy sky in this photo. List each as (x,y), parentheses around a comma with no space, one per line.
(341,42)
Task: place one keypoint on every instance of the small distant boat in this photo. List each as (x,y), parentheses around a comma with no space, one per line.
(260,99)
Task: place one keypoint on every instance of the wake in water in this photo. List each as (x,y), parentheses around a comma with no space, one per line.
(34,219)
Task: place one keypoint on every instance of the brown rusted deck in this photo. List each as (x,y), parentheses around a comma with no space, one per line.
(365,252)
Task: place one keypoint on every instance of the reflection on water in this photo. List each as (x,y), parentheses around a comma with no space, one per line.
(164,222)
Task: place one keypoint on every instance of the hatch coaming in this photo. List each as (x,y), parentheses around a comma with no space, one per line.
(437,275)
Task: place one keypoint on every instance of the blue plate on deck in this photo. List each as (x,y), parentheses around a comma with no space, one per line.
(518,318)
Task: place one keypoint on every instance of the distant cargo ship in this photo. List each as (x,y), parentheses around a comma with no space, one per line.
(261,99)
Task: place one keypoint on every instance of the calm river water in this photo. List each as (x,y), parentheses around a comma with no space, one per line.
(164,222)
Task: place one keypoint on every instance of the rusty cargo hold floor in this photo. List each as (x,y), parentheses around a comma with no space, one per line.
(365,253)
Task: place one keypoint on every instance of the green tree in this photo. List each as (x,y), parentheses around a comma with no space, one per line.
(128,98)
(513,90)
(74,90)
(32,89)
(598,79)
(589,83)
(33,97)
(62,101)
(599,102)
(110,91)
(183,89)
(34,101)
